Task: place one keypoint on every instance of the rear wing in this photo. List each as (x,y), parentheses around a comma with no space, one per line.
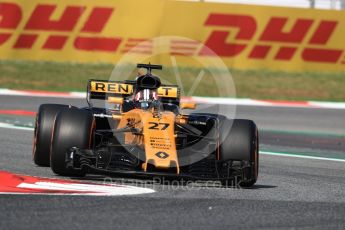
(102,89)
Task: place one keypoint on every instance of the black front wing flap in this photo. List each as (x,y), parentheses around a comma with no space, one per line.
(96,162)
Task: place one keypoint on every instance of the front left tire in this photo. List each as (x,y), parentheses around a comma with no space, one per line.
(73,128)
(43,133)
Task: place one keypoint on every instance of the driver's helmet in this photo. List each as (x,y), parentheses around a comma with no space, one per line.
(144,98)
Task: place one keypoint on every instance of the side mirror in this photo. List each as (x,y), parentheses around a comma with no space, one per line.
(115,100)
(187,105)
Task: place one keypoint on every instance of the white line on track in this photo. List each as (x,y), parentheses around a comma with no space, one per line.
(11,183)
(207,100)
(10,126)
(87,189)
(301,156)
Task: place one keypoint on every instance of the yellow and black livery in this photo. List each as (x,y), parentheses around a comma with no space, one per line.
(145,133)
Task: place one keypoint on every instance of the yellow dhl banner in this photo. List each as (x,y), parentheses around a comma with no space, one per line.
(243,36)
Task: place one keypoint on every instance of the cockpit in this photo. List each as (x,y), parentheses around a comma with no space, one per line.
(145,98)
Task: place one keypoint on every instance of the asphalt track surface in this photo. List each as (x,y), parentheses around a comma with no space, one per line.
(291,193)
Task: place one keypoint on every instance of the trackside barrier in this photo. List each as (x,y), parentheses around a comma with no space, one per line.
(244,36)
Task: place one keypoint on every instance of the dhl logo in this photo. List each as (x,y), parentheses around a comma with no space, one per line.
(40,20)
(274,32)
(229,35)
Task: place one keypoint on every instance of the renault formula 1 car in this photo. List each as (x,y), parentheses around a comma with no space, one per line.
(144,133)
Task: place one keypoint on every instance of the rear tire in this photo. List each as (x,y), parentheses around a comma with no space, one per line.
(239,142)
(43,132)
(73,128)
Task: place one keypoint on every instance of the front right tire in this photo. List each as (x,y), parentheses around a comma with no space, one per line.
(239,142)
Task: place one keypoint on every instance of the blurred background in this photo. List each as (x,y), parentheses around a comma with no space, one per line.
(318,4)
(275,50)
